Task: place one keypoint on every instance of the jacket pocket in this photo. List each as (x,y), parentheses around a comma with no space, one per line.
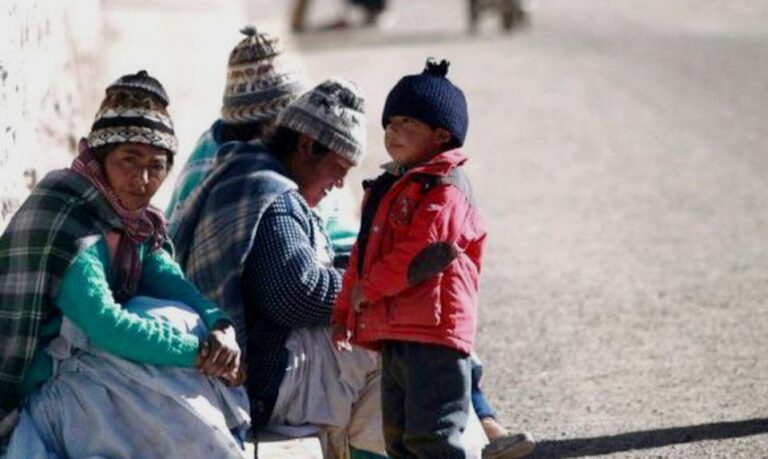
(417,306)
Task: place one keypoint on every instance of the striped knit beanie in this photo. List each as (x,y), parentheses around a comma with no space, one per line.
(134,111)
(332,114)
(431,98)
(256,90)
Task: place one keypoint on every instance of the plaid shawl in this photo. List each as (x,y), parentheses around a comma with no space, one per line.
(139,225)
(214,231)
(63,215)
(199,163)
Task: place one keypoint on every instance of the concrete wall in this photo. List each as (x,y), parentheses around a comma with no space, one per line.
(48,52)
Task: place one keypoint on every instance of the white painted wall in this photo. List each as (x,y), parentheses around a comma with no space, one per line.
(48,52)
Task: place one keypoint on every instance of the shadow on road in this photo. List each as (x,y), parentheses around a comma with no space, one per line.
(579,447)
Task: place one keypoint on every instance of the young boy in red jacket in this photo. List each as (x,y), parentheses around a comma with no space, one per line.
(411,287)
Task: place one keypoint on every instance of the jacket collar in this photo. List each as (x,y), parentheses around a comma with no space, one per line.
(439,164)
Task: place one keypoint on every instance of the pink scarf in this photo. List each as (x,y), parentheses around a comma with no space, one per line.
(138,226)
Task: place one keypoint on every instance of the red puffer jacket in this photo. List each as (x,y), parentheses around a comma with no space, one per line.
(419,270)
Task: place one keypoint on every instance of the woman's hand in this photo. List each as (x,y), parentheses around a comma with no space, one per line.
(236,378)
(219,353)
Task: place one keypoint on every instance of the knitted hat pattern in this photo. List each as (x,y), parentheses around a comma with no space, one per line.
(332,114)
(134,110)
(256,90)
(431,98)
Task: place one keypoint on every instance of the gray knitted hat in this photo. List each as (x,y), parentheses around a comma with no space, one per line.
(256,90)
(332,113)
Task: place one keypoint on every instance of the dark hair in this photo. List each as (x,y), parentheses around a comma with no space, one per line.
(284,143)
(450,145)
(101,152)
(242,132)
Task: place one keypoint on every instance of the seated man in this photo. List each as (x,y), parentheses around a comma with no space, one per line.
(249,239)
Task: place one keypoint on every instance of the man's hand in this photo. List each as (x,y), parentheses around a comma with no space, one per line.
(219,353)
(341,337)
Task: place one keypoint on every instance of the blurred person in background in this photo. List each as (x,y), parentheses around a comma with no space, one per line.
(513,13)
(371,11)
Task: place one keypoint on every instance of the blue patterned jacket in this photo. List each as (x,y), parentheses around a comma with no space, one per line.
(249,241)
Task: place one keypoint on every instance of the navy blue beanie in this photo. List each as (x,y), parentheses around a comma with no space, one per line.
(430,98)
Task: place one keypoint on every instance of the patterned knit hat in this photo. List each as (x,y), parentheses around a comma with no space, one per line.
(431,98)
(256,91)
(134,111)
(333,114)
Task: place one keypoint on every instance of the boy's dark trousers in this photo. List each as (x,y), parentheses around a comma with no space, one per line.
(425,400)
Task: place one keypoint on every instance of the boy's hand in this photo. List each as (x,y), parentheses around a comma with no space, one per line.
(358,300)
(341,337)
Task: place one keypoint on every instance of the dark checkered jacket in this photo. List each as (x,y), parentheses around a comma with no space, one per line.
(64,215)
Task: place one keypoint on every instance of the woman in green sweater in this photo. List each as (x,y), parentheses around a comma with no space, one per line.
(106,349)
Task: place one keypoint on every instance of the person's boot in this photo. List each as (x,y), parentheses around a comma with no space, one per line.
(503,444)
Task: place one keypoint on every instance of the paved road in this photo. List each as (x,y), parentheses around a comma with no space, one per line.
(619,151)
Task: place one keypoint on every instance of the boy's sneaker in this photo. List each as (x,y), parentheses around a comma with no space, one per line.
(510,446)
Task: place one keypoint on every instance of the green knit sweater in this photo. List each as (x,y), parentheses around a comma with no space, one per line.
(85,297)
